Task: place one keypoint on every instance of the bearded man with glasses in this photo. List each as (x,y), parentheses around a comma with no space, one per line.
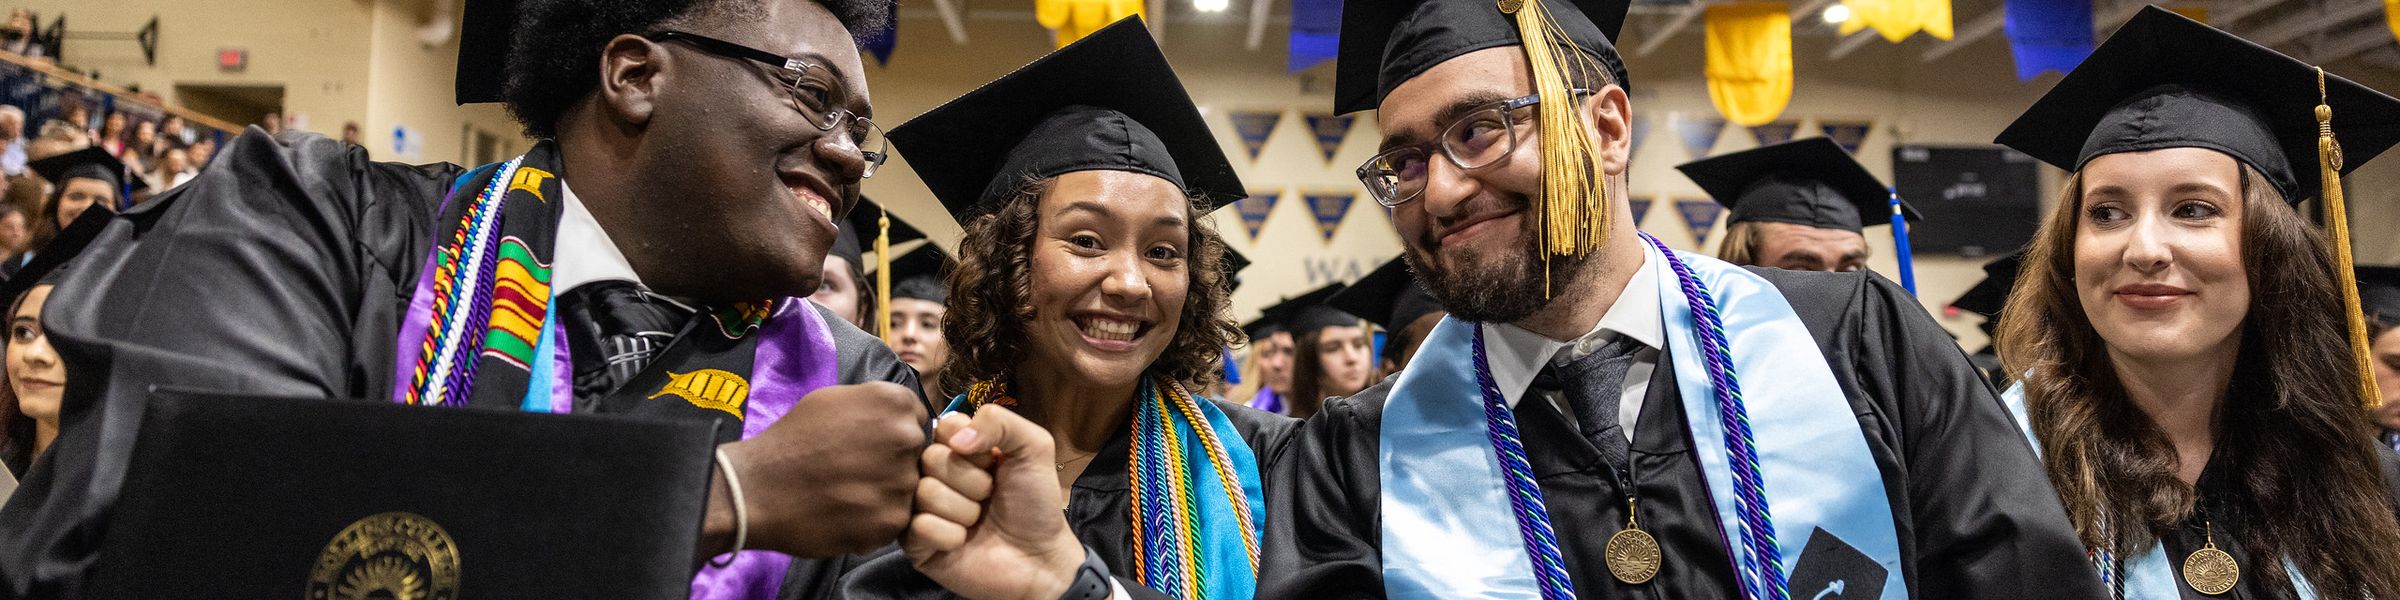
(679,200)
(1604,417)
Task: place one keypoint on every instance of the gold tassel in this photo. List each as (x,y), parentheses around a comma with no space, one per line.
(1574,209)
(2337,227)
(883,277)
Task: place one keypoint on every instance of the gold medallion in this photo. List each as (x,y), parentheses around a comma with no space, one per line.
(1633,556)
(2211,571)
(1510,7)
(394,555)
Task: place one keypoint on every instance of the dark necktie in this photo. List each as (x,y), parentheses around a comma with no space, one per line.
(614,330)
(1594,386)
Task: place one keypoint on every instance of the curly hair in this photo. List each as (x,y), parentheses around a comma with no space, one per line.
(548,73)
(2307,479)
(993,280)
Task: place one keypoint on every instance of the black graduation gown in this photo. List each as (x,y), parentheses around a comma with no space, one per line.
(1976,518)
(1096,510)
(284,269)
(2216,485)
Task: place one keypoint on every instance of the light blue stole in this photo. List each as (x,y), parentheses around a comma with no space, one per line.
(1449,530)
(2149,576)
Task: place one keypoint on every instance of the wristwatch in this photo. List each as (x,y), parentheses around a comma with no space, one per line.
(1091,579)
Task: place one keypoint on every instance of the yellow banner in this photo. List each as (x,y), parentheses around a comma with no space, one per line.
(1073,19)
(1897,19)
(1750,61)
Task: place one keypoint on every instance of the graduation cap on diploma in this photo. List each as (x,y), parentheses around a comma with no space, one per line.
(262,497)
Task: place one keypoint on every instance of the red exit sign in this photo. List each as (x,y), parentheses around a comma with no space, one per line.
(232,60)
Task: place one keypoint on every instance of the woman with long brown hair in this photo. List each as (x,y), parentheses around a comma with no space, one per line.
(2179,327)
(1332,353)
(1087,306)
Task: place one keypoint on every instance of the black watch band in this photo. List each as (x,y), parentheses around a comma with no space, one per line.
(1091,579)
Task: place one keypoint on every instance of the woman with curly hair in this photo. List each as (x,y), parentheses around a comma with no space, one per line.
(2179,327)
(1088,299)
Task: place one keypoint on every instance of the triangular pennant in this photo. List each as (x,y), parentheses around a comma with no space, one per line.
(1850,134)
(1329,210)
(880,43)
(2048,35)
(1641,208)
(1699,133)
(1641,130)
(1699,214)
(1254,210)
(1329,130)
(1775,133)
(1253,127)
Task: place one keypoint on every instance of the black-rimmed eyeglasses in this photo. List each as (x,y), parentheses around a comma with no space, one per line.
(811,88)
(1476,140)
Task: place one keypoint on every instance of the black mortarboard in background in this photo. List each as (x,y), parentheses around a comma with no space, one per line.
(89,163)
(1387,42)
(2166,81)
(483,41)
(47,265)
(1389,297)
(1809,182)
(1989,296)
(2379,294)
(1106,102)
(1232,265)
(1308,312)
(918,274)
(860,228)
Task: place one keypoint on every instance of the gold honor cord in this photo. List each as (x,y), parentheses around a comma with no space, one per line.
(1574,193)
(883,277)
(2337,228)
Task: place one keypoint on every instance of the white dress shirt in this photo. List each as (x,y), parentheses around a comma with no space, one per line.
(1516,355)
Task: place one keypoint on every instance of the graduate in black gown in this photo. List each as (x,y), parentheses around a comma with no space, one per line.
(1390,298)
(649,250)
(2179,327)
(1799,205)
(914,312)
(1575,426)
(83,180)
(1087,305)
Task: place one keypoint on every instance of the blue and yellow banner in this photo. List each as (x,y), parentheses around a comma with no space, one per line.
(1850,134)
(1253,127)
(1255,209)
(1699,215)
(1329,209)
(1329,130)
(1698,132)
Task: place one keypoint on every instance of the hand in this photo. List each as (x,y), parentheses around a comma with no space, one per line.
(832,477)
(2388,415)
(990,524)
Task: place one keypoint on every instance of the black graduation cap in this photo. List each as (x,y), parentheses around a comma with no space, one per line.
(1308,313)
(483,40)
(2379,293)
(861,227)
(1261,327)
(1106,102)
(1989,296)
(2166,81)
(1388,42)
(47,264)
(918,274)
(1809,182)
(88,163)
(1233,264)
(1389,297)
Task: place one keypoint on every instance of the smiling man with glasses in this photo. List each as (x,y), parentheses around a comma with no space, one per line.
(645,257)
(1604,417)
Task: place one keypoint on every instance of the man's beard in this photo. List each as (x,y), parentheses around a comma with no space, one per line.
(1501,286)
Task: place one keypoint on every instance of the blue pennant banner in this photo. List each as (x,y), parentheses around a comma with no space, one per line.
(1641,209)
(1700,215)
(1850,134)
(1329,130)
(1699,133)
(1253,127)
(2048,35)
(1254,210)
(1775,133)
(1329,210)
